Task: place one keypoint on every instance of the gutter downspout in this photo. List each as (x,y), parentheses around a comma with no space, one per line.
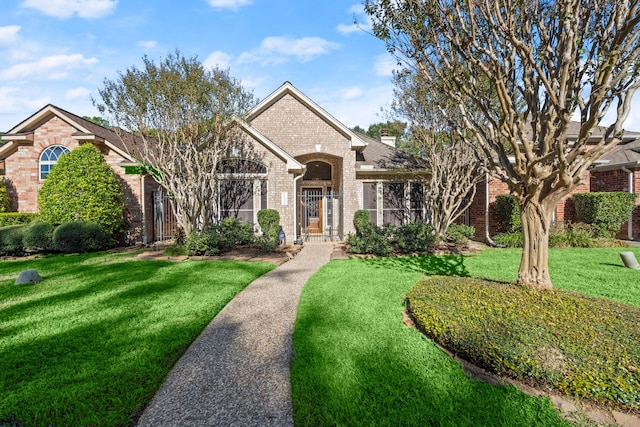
(487,237)
(295,206)
(143,210)
(631,191)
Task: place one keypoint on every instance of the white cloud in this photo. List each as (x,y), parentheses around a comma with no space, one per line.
(53,67)
(77,93)
(9,34)
(385,65)
(15,102)
(362,24)
(228,4)
(217,59)
(67,8)
(352,93)
(148,44)
(276,50)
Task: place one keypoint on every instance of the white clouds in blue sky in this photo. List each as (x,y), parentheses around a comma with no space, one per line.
(64,9)
(61,51)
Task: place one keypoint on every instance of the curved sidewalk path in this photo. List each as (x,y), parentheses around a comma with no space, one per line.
(237,371)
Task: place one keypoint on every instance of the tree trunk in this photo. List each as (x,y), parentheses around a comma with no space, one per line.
(534,265)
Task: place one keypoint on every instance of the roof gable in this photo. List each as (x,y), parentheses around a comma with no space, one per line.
(355,141)
(86,130)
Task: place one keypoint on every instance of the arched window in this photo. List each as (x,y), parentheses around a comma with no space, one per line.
(49,158)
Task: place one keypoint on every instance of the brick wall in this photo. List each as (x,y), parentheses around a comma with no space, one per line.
(22,172)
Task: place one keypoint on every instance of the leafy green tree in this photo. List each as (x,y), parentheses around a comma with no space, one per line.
(83,187)
(185,119)
(545,63)
(98,120)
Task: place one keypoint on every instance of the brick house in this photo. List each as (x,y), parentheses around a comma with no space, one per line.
(314,170)
(619,170)
(33,147)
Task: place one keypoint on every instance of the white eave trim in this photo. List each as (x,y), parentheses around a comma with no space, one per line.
(24,137)
(89,137)
(292,164)
(604,166)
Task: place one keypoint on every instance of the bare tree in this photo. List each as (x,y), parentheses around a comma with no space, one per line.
(178,121)
(545,62)
(453,169)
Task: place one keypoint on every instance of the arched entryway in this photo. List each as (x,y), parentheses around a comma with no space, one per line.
(319,201)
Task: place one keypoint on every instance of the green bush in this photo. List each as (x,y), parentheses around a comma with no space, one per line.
(269,221)
(581,346)
(79,236)
(414,237)
(221,238)
(460,233)
(508,213)
(606,212)
(362,222)
(375,242)
(509,240)
(38,237)
(266,243)
(11,240)
(16,218)
(578,235)
(5,200)
(83,187)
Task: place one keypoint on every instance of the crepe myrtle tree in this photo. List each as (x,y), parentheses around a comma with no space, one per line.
(180,120)
(453,168)
(545,62)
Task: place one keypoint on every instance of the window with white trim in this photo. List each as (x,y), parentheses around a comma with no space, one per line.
(49,158)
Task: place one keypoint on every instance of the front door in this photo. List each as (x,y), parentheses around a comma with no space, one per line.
(312,211)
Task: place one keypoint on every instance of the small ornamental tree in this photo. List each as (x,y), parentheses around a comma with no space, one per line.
(83,187)
(5,200)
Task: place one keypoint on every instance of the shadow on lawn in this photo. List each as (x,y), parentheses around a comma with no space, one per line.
(397,377)
(443,265)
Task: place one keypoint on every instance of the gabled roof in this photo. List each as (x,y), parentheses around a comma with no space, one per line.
(86,131)
(356,142)
(292,164)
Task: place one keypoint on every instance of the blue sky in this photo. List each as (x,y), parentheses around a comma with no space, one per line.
(60,51)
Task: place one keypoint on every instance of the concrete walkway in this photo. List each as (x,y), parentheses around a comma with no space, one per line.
(237,371)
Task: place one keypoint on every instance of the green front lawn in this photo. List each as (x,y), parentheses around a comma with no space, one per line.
(357,364)
(91,343)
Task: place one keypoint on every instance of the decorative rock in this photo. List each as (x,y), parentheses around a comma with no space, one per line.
(629,260)
(28,277)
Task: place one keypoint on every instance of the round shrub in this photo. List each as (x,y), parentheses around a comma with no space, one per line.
(460,233)
(83,187)
(269,221)
(606,212)
(11,240)
(79,236)
(415,237)
(38,237)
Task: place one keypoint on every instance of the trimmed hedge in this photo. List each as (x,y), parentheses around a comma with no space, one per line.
(460,233)
(16,218)
(38,237)
(508,213)
(605,211)
(579,345)
(11,240)
(79,236)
